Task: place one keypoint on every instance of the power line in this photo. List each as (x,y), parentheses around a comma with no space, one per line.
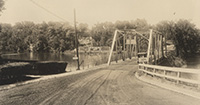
(47,10)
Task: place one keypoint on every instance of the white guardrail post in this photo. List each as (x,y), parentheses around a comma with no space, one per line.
(178,78)
(164,74)
(178,75)
(199,81)
(154,71)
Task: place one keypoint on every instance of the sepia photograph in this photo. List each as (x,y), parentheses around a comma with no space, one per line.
(99,52)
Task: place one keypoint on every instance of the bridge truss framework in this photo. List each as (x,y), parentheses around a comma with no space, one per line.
(129,42)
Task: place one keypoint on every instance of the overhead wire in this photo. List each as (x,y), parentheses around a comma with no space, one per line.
(50,12)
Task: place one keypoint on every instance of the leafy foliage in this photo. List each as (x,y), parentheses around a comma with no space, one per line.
(59,37)
(102,33)
(2,5)
(52,36)
(184,34)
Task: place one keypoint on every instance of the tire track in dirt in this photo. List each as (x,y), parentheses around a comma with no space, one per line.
(113,90)
(39,90)
(51,98)
(108,91)
(98,88)
(113,85)
(74,89)
(87,82)
(108,87)
(58,91)
(92,86)
(121,85)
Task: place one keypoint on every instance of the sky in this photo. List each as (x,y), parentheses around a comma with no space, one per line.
(94,11)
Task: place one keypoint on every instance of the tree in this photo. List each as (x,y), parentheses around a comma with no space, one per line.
(124,25)
(184,34)
(185,38)
(102,32)
(5,37)
(1,9)
(166,28)
(141,24)
(83,30)
(2,5)
(60,36)
(23,34)
(52,36)
(41,44)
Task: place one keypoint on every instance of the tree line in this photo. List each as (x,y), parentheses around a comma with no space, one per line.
(52,36)
(59,36)
(184,35)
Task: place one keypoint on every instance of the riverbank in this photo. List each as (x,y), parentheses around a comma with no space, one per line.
(192,61)
(12,71)
(172,61)
(28,79)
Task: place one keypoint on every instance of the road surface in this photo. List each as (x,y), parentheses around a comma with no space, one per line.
(111,85)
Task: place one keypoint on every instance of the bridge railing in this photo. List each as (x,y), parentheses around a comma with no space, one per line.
(172,73)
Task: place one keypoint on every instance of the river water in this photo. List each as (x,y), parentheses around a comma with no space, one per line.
(87,60)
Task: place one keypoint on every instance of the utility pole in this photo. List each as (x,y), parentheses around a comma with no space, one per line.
(76,40)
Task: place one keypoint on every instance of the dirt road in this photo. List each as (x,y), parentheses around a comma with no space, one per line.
(112,85)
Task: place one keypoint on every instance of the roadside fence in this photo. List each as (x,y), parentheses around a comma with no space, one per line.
(179,75)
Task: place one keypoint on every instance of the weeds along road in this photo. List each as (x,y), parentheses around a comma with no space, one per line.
(112,85)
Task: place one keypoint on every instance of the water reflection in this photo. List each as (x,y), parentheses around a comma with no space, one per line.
(40,56)
(87,60)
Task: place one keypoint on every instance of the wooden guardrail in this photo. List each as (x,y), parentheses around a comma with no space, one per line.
(164,72)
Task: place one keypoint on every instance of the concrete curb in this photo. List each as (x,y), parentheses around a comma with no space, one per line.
(170,87)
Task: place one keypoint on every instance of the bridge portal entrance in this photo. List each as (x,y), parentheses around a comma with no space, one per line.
(147,47)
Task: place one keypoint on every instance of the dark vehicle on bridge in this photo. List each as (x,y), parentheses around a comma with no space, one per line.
(142,57)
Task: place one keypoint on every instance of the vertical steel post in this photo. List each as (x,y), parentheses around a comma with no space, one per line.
(124,49)
(116,46)
(136,46)
(162,46)
(158,47)
(130,47)
(166,45)
(126,46)
(112,47)
(149,46)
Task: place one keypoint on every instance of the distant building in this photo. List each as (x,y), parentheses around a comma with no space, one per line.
(86,45)
(86,41)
